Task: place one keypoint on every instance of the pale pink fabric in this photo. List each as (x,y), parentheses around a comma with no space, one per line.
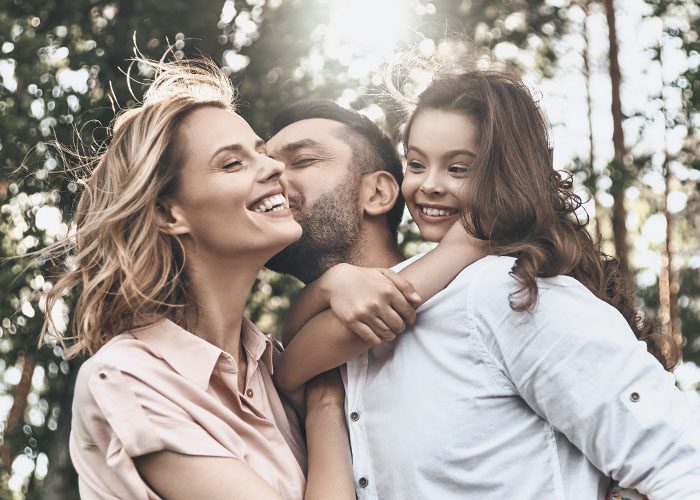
(163,388)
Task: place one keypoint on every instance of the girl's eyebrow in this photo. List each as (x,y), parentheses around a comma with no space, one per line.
(447,154)
(456,152)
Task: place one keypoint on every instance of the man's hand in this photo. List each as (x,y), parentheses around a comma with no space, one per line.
(375,304)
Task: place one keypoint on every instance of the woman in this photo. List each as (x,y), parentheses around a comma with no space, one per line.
(526,368)
(181,210)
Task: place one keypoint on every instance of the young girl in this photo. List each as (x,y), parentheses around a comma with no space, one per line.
(180,212)
(523,377)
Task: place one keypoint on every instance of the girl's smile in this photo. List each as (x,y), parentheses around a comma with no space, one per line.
(440,153)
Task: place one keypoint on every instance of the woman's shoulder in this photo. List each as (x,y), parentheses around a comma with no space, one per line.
(125,353)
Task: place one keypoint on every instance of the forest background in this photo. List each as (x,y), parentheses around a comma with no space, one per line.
(618,81)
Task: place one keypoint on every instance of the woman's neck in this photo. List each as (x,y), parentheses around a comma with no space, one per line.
(221,288)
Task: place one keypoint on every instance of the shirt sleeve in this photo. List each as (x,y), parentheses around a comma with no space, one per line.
(140,419)
(577,364)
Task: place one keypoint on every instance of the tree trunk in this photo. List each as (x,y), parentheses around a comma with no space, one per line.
(61,482)
(668,282)
(589,104)
(619,170)
(19,408)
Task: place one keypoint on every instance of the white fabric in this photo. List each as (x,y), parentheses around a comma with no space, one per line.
(478,401)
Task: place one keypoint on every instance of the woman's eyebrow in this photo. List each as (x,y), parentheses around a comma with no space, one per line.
(235,148)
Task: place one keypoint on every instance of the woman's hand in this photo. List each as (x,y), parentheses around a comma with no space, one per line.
(330,462)
(375,304)
(325,391)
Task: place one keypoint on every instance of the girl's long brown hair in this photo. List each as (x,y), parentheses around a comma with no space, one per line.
(526,209)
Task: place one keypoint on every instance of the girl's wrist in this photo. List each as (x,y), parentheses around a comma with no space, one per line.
(325,283)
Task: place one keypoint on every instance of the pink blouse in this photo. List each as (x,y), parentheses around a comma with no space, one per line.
(163,388)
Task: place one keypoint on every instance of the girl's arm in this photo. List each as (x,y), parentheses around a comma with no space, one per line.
(330,462)
(325,342)
(376,304)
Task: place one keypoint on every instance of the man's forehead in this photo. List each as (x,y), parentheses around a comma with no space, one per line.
(306,133)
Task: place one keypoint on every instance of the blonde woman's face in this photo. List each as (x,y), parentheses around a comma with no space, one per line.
(231,197)
(440,151)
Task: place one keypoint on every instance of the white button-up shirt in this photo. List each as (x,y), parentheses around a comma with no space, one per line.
(479,401)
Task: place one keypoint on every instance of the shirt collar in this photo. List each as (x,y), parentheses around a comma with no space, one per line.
(193,357)
(257,344)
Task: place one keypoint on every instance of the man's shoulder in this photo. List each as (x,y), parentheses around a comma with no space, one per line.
(492,272)
(398,267)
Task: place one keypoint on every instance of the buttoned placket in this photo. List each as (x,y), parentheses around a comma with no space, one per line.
(365,485)
(248,396)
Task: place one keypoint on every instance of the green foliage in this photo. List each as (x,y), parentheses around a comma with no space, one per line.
(69,55)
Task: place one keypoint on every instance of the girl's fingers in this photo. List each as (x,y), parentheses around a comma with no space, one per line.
(365,333)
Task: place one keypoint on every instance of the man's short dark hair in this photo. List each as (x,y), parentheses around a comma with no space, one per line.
(372,148)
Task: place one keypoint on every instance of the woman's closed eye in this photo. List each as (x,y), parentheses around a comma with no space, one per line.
(233,165)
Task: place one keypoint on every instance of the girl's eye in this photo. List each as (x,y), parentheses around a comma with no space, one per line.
(415,165)
(458,169)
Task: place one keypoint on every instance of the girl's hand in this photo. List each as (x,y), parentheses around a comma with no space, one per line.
(375,304)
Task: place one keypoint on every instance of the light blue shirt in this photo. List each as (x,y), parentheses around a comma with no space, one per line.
(479,401)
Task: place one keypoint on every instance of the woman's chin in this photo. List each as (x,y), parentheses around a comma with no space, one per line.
(286,237)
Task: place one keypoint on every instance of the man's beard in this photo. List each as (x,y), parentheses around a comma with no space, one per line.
(330,232)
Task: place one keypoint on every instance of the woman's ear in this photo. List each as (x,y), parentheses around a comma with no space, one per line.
(379,193)
(171,220)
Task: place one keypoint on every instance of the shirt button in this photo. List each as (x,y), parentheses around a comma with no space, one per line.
(363,482)
(249,393)
(354,416)
(634,397)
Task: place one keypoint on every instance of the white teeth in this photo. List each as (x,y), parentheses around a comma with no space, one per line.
(274,203)
(436,212)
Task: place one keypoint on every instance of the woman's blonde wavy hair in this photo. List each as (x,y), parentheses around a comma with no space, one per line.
(125,271)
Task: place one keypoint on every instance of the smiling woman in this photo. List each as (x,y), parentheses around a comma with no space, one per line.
(179,213)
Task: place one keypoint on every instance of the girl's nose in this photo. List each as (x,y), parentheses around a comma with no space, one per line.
(432,186)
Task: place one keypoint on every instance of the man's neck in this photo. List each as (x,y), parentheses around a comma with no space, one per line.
(376,249)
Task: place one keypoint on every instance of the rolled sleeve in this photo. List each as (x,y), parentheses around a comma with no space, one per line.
(144,421)
(577,364)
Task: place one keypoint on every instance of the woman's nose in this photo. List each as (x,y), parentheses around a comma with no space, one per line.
(271,169)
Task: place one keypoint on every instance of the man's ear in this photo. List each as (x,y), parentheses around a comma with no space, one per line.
(171,220)
(379,193)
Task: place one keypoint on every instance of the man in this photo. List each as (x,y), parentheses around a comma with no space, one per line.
(344,177)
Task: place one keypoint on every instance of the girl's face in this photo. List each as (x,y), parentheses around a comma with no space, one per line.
(440,151)
(231,198)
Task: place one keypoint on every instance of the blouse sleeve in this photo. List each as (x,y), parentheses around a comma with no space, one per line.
(138,418)
(578,365)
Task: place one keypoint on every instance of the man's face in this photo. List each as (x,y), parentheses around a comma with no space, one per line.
(324,185)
